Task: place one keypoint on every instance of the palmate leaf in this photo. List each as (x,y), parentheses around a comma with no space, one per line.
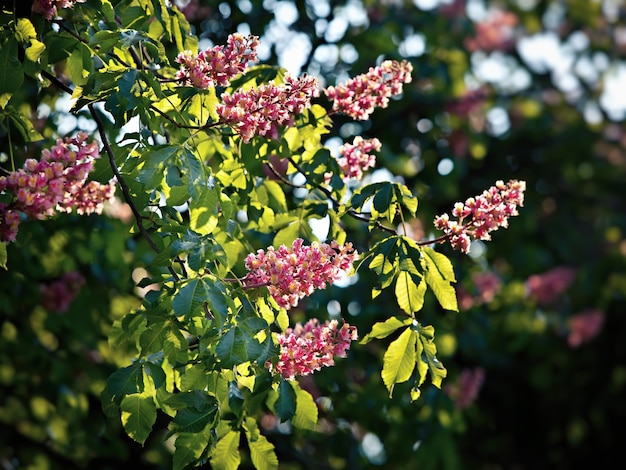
(138,416)
(399,359)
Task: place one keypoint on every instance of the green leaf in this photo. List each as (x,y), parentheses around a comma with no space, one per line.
(437,371)
(285,405)
(189,448)
(3,255)
(383,202)
(79,64)
(225,456)
(151,340)
(235,398)
(189,300)
(196,418)
(439,275)
(261,450)
(155,372)
(441,262)
(287,235)
(138,416)
(122,382)
(383,329)
(11,72)
(24,125)
(306,409)
(24,30)
(399,359)
(410,291)
(232,347)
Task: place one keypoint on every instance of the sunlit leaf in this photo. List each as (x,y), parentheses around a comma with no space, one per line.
(399,359)
(138,416)
(306,409)
(261,450)
(226,456)
(383,329)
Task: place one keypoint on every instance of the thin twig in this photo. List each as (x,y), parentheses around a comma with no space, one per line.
(352,213)
(125,190)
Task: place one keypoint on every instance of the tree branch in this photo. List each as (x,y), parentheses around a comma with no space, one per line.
(125,190)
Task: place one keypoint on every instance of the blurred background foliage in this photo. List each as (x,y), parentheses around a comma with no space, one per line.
(519,89)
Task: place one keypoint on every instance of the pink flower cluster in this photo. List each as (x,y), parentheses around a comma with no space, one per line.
(48,8)
(355,157)
(545,288)
(292,273)
(362,94)
(58,295)
(57,182)
(216,66)
(584,326)
(480,215)
(465,391)
(259,111)
(306,348)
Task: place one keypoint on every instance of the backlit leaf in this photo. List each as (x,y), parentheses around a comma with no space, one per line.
(138,416)
(399,359)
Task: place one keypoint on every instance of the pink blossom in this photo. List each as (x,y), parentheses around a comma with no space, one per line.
(48,8)
(306,348)
(584,326)
(292,273)
(355,157)
(362,94)
(57,296)
(57,182)
(480,215)
(216,66)
(466,389)
(488,285)
(495,33)
(547,287)
(259,111)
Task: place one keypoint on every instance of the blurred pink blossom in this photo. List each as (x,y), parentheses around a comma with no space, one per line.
(495,33)
(584,326)
(467,387)
(58,295)
(547,287)
(48,8)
